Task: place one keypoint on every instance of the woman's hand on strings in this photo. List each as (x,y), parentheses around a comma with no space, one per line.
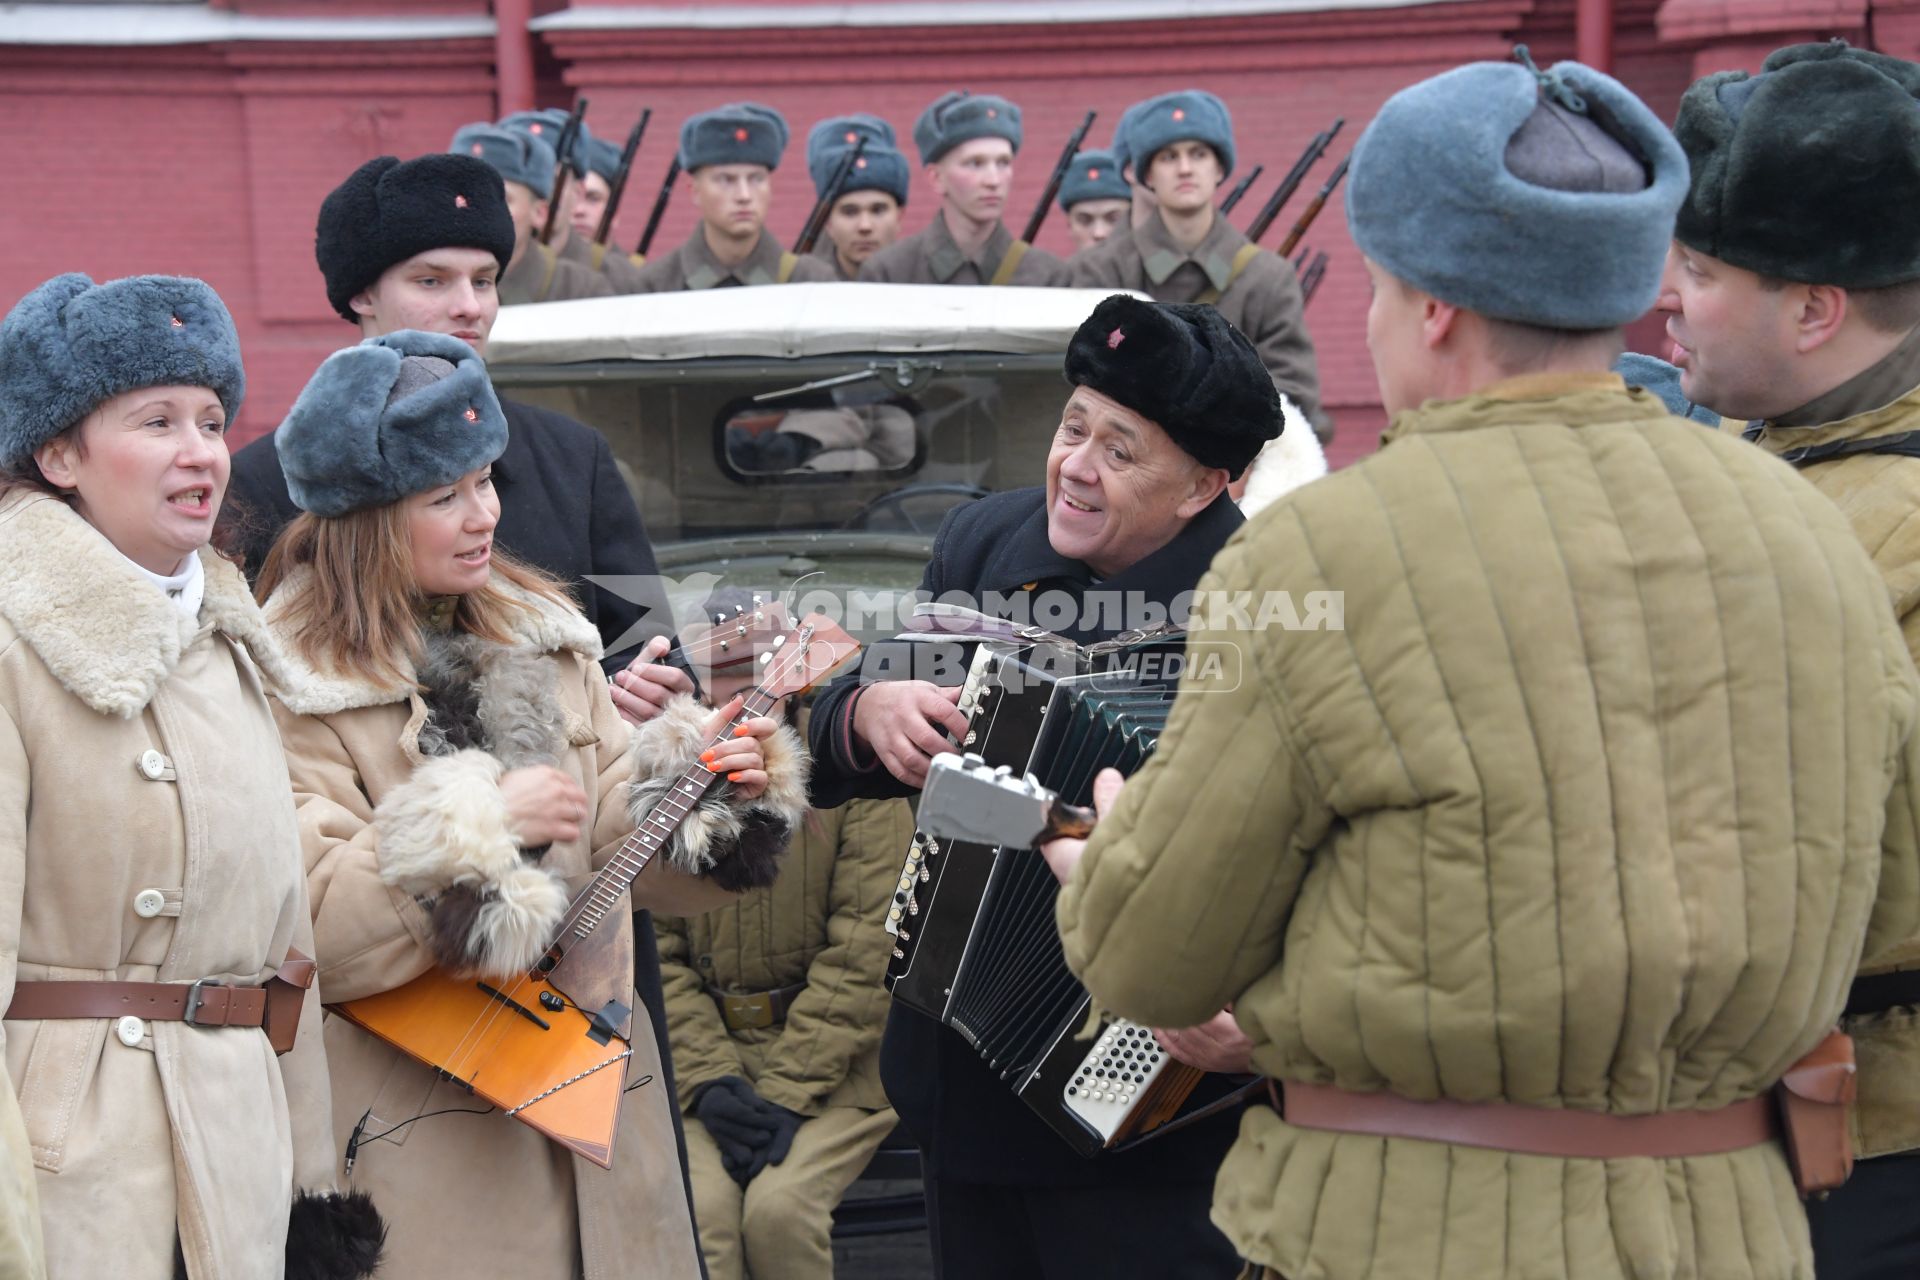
(544,805)
(739,758)
(643,690)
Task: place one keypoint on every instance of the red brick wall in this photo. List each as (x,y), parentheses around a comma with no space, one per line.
(211,161)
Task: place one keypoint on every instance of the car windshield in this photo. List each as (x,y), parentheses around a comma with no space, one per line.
(882,445)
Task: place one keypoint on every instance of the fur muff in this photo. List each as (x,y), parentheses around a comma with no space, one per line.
(444,833)
(334,1237)
(737,843)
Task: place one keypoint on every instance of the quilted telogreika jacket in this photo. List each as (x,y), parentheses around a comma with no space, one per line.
(1595,802)
(147,835)
(1880,496)
(389,786)
(822,924)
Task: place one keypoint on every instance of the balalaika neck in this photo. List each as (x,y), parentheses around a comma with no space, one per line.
(602,895)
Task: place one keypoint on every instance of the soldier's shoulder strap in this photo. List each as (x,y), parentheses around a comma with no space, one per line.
(1904,445)
(1241,261)
(788,261)
(599,254)
(637,258)
(1003,274)
(552,260)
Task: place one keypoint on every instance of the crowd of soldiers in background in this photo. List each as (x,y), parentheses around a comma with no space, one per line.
(1147,213)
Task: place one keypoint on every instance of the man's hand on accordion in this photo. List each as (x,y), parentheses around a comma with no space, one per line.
(905,724)
(1063,855)
(1218,1044)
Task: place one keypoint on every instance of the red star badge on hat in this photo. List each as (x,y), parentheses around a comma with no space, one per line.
(993,113)
(861,163)
(177,322)
(1179,113)
(459,202)
(473,414)
(536,129)
(1093,175)
(1115,338)
(852,136)
(477,149)
(739,135)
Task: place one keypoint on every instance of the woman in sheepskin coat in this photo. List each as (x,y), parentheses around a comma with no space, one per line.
(455,756)
(146,830)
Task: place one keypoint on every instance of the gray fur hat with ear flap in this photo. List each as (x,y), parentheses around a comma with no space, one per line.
(71,345)
(394,416)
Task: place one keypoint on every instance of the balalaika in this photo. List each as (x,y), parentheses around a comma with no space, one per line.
(975,944)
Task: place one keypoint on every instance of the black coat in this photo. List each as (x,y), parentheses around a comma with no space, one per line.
(967,1121)
(563,508)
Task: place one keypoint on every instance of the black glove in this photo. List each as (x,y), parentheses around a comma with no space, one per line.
(780,1140)
(733,1115)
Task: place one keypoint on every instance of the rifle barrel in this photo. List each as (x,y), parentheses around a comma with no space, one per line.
(1313,210)
(1059,176)
(823,207)
(1314,275)
(563,169)
(659,207)
(1263,221)
(1239,191)
(618,187)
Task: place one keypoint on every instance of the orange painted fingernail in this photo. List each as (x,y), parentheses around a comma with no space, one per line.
(742,732)
(706,757)
(735,777)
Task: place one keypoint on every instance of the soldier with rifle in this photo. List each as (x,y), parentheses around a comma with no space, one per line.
(729,155)
(1096,198)
(1181,149)
(860,181)
(575,183)
(967,143)
(526,164)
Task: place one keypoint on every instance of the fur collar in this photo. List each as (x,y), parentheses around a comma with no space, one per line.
(1287,462)
(545,627)
(104,632)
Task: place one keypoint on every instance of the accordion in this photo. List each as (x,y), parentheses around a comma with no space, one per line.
(975,943)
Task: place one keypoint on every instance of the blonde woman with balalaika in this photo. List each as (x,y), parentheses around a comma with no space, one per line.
(478,825)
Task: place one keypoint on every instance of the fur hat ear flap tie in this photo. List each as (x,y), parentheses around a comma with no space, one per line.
(733,842)
(330,1236)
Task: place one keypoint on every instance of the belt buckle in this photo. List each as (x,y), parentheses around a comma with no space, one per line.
(196,997)
(751,1012)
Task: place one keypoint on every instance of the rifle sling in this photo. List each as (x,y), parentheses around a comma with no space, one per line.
(788,261)
(1241,261)
(599,254)
(1003,274)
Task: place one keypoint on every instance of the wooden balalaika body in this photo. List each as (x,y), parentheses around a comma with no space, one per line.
(550,1046)
(975,942)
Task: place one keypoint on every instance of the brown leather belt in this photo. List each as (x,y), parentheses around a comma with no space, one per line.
(753,1011)
(198,1004)
(1539,1131)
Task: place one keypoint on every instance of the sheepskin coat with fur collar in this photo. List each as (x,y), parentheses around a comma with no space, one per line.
(147,834)
(398,809)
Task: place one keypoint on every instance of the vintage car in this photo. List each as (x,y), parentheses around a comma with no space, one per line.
(808,436)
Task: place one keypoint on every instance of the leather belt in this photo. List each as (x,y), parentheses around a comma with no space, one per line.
(757,1010)
(1540,1131)
(1879,992)
(198,1004)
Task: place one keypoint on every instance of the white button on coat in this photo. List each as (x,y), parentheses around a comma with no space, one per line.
(131,1031)
(153,766)
(149,903)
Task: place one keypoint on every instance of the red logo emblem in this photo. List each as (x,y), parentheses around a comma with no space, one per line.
(473,415)
(993,113)
(1115,338)
(861,163)
(459,202)
(477,149)
(739,135)
(536,129)
(852,136)
(1179,113)
(178,323)
(1093,175)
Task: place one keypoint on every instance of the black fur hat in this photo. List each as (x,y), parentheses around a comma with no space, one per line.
(389,210)
(1184,367)
(1809,171)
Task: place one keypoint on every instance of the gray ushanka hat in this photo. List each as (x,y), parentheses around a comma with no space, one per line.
(548,126)
(515,156)
(738,133)
(881,167)
(1094,175)
(394,416)
(1175,117)
(71,344)
(959,116)
(1543,198)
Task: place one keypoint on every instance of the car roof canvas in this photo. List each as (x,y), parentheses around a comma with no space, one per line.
(790,321)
